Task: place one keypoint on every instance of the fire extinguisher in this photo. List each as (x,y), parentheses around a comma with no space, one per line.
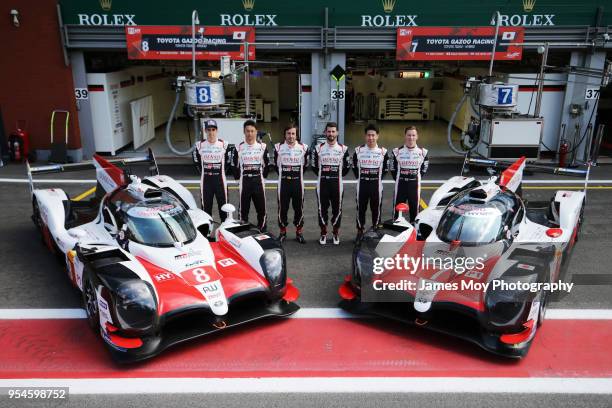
(563,151)
(19,143)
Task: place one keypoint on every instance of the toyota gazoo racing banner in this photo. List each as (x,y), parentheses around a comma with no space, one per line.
(458,43)
(174,42)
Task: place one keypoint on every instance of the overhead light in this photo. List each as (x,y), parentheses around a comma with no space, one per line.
(214,74)
(415,74)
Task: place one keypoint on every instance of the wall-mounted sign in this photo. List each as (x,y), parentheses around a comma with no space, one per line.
(175,43)
(458,43)
(81,93)
(337,94)
(342,13)
(592,93)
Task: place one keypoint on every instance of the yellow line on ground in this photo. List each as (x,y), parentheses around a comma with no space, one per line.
(423,204)
(85,194)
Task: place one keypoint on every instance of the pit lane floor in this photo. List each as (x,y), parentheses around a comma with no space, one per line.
(31,278)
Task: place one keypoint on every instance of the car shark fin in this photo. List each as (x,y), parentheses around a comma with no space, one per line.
(512,177)
(109,176)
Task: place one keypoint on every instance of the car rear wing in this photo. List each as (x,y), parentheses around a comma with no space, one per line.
(530,166)
(93,164)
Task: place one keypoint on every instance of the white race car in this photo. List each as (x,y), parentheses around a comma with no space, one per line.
(479,263)
(142,254)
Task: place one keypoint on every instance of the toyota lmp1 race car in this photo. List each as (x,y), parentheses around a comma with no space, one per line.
(141,253)
(479,263)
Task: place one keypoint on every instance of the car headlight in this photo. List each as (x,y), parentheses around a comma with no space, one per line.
(273,265)
(135,305)
(505,305)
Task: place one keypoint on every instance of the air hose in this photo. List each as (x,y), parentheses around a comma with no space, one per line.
(169,127)
(449,130)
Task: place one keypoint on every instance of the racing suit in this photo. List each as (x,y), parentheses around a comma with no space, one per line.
(407,168)
(369,166)
(212,158)
(290,163)
(250,165)
(330,164)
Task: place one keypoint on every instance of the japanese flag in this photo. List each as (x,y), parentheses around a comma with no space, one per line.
(508,35)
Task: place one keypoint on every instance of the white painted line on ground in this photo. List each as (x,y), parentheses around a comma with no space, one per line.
(304,313)
(438,385)
(322,313)
(19,314)
(578,314)
(197,181)
(47,181)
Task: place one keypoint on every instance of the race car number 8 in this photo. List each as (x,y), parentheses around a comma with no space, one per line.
(200,275)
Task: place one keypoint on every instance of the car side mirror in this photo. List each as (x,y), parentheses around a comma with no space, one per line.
(508,233)
(111,229)
(229,210)
(122,234)
(122,237)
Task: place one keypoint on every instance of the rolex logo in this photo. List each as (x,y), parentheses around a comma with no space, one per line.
(389,5)
(248,4)
(106,4)
(528,5)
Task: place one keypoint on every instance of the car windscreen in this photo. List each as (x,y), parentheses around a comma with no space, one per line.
(472,224)
(160,224)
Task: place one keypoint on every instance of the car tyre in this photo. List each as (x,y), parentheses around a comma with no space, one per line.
(90,303)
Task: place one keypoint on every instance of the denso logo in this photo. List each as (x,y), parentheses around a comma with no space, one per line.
(409,163)
(216,157)
(251,158)
(290,159)
(368,161)
(330,160)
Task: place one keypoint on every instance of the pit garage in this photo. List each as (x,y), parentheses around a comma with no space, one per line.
(123,103)
(127,95)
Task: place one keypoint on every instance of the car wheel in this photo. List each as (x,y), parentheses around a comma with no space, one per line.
(36,218)
(90,303)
